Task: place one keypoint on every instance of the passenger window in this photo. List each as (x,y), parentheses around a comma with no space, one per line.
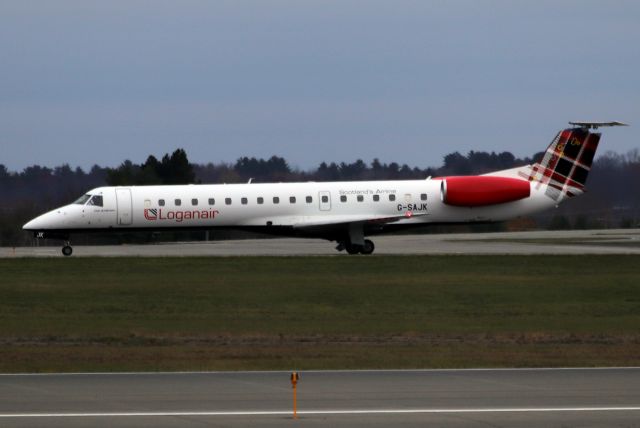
(178,202)
(161,202)
(309,199)
(360,198)
(227,201)
(243,201)
(194,202)
(423,197)
(376,198)
(212,201)
(392,198)
(292,199)
(276,200)
(325,199)
(343,198)
(96,201)
(260,200)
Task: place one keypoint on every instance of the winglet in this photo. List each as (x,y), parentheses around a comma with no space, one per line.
(596,125)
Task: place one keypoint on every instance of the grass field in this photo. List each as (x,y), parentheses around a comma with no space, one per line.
(231,313)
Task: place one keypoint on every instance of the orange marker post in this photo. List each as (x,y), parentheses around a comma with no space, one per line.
(294,382)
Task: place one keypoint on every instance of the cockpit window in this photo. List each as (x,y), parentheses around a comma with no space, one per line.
(82,199)
(96,201)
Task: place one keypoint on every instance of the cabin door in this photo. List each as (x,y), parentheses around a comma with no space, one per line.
(123,198)
(325,200)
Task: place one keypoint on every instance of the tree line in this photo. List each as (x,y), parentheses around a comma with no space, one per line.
(610,202)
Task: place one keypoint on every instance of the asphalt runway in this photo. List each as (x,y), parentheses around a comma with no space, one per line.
(453,398)
(612,241)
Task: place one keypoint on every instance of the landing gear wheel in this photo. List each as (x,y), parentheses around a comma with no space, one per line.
(368,247)
(353,249)
(67,250)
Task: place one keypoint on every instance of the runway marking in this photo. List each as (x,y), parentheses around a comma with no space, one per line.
(497,369)
(320,412)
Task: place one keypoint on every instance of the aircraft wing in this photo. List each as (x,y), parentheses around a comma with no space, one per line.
(347,219)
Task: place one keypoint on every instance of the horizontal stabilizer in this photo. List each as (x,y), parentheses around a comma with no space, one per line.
(596,125)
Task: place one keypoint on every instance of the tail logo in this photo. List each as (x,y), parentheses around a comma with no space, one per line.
(566,163)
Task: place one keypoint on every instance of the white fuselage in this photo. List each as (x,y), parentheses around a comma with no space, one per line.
(295,205)
(339,211)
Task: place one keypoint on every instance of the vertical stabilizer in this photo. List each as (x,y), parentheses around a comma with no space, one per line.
(566,163)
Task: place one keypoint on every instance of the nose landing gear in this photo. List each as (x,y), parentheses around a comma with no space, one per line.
(67,250)
(43,234)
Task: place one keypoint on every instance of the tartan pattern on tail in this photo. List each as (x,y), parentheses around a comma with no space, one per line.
(566,163)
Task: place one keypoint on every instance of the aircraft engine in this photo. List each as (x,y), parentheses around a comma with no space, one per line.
(477,191)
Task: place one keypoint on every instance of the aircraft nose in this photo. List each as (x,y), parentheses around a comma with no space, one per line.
(34,224)
(49,220)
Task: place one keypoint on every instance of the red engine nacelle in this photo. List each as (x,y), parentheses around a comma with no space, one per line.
(481,190)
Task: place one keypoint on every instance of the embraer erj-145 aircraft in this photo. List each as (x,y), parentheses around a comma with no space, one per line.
(345,212)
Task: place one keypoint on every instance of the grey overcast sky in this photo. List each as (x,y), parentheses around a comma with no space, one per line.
(97,82)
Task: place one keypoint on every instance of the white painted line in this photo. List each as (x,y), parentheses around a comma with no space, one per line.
(321,412)
(497,369)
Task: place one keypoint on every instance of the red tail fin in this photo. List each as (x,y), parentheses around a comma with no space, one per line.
(566,163)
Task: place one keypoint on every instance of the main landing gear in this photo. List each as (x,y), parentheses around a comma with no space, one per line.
(67,250)
(367,248)
(353,241)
